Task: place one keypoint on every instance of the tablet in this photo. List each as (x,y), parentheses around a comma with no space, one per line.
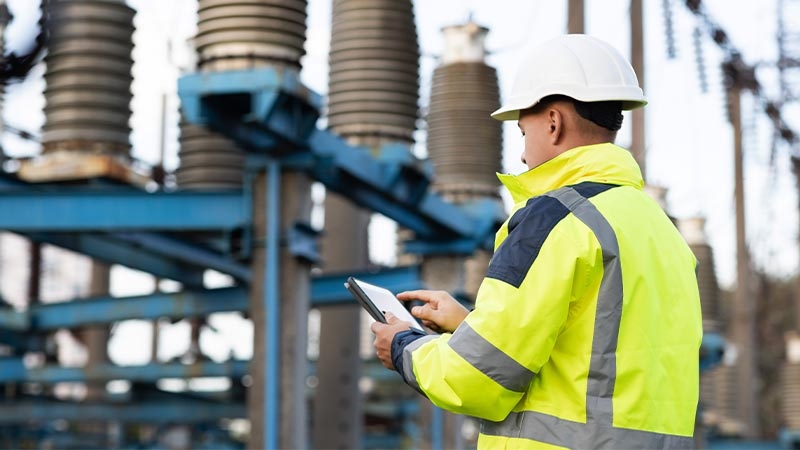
(377,300)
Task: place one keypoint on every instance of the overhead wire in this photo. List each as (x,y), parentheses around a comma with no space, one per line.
(669,30)
(739,72)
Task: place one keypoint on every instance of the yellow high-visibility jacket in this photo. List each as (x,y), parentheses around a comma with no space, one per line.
(587,327)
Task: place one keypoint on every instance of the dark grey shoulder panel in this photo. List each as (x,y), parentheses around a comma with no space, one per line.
(528,228)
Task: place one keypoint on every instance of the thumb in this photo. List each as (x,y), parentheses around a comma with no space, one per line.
(391,319)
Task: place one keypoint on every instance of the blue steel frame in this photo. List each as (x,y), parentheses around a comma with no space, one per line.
(272,113)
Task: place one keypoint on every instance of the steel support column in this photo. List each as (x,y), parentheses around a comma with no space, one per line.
(638,147)
(743,327)
(279,302)
(338,413)
(95,338)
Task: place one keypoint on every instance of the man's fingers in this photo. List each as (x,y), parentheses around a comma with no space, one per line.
(432,325)
(422,312)
(421,295)
(376,326)
(393,321)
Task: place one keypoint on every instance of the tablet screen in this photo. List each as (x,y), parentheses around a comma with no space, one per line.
(384,301)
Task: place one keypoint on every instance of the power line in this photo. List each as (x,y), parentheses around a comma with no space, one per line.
(738,73)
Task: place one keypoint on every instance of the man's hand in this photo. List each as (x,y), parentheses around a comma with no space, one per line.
(441,312)
(384,335)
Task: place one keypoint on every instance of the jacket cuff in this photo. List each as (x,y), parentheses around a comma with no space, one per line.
(400,341)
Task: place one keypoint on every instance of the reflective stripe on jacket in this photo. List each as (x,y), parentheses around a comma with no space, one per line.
(587,326)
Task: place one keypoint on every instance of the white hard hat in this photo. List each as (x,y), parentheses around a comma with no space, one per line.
(577,66)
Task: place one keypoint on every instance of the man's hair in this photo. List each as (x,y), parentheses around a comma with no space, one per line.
(607,114)
(605,117)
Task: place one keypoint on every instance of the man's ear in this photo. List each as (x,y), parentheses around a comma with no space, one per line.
(555,123)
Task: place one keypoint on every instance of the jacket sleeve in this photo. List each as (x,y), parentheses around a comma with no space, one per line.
(484,368)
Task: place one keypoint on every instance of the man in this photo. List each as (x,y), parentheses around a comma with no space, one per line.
(587,327)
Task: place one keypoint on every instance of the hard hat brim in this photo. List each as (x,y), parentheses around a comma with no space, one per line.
(510,111)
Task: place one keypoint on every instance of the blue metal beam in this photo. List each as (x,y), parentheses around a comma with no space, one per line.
(105,247)
(159,254)
(325,291)
(399,190)
(104,310)
(83,209)
(245,105)
(186,253)
(14,370)
(11,319)
(178,411)
(22,342)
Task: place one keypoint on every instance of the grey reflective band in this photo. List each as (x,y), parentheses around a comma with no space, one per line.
(490,360)
(575,435)
(598,431)
(408,365)
(603,363)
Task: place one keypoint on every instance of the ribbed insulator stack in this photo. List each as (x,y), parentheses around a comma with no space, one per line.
(707,400)
(693,230)
(717,387)
(88,76)
(790,383)
(709,289)
(464,142)
(718,396)
(241,34)
(235,35)
(726,391)
(374,66)
(208,160)
(790,395)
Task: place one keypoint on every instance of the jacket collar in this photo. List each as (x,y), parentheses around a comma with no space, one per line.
(599,163)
